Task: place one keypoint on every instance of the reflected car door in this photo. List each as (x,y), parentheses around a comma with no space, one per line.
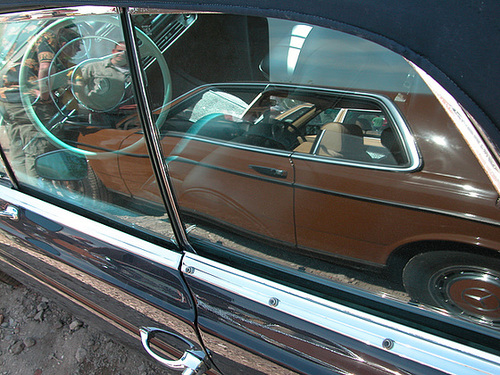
(226,184)
(233,185)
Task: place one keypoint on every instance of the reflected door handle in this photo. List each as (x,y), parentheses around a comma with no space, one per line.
(11,212)
(192,362)
(273,172)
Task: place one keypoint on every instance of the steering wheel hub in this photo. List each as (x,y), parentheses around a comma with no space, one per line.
(103,90)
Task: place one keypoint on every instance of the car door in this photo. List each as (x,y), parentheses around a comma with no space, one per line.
(60,229)
(265,306)
(258,304)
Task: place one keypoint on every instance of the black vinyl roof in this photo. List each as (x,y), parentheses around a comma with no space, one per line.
(456,41)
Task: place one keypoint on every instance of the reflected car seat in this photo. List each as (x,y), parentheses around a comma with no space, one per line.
(341,141)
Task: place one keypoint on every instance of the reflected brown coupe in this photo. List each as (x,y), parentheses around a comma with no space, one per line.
(352,175)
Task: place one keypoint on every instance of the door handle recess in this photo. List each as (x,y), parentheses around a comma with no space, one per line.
(192,362)
(11,212)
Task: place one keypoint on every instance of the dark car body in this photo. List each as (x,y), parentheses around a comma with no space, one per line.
(263,188)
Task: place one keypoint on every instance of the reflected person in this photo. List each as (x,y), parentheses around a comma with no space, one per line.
(26,141)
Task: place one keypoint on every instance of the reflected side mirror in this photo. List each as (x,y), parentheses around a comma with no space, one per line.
(61,165)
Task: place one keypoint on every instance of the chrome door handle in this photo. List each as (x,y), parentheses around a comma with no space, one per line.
(273,172)
(11,212)
(192,362)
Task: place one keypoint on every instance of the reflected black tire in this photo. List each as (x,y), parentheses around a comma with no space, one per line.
(464,284)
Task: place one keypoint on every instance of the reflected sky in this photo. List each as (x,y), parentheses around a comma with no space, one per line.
(318,56)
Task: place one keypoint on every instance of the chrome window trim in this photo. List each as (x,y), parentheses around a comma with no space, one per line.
(115,237)
(409,142)
(57,13)
(424,348)
(357,164)
(404,133)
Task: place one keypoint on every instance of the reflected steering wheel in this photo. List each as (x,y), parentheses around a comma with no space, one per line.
(66,83)
(279,130)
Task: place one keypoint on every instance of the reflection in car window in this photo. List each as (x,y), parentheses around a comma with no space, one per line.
(287,145)
(281,117)
(70,119)
(325,183)
(302,154)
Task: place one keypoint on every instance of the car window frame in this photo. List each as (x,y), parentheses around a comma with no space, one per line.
(400,125)
(405,135)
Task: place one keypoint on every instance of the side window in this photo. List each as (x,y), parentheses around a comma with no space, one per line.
(69,115)
(366,136)
(280,118)
(326,157)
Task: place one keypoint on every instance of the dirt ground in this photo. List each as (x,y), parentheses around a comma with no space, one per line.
(37,337)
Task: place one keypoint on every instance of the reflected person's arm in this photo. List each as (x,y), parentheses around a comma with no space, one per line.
(43,73)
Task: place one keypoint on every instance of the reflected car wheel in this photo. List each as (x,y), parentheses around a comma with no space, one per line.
(464,284)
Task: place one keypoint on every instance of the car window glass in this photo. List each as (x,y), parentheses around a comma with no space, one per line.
(69,116)
(327,157)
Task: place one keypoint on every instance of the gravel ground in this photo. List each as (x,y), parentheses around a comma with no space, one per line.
(37,337)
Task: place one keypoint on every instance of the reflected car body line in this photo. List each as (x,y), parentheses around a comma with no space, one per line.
(458,215)
(409,343)
(100,231)
(466,128)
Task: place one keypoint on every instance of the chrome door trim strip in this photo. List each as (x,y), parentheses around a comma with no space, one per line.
(93,228)
(409,343)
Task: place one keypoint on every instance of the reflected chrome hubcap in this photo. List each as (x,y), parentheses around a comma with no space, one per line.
(471,292)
